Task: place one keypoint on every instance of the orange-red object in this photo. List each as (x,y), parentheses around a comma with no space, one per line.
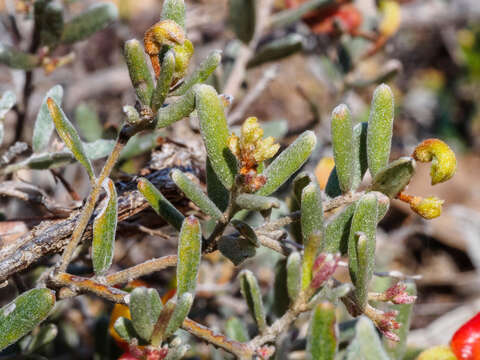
(322,21)
(465,342)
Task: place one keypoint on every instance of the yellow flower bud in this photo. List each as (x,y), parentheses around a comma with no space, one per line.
(437,353)
(234,145)
(391,18)
(428,208)
(265,149)
(251,132)
(444,163)
(183,55)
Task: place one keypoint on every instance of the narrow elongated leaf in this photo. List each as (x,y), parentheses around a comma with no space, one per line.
(361,248)
(174,10)
(343,144)
(99,148)
(395,177)
(337,231)
(177,352)
(177,110)
(294,275)
(253,296)
(277,49)
(7,101)
(236,330)
(215,189)
(145,307)
(360,163)
(138,70)
(184,304)
(95,18)
(397,350)
(87,122)
(213,126)
(43,128)
(323,333)
(369,344)
(380,125)
(125,329)
(201,73)
(17,59)
(237,249)
(52,24)
(193,192)
(104,229)
(69,135)
(246,231)
(332,189)
(46,334)
(162,323)
(20,316)
(256,202)
(299,182)
(289,161)
(160,204)
(312,229)
(243,18)
(189,253)
(164,81)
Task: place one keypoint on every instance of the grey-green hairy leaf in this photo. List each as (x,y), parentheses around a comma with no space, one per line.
(52,24)
(43,128)
(176,110)
(236,330)
(289,161)
(125,329)
(256,202)
(215,134)
(138,69)
(104,229)
(7,101)
(215,189)
(20,316)
(160,204)
(164,81)
(294,275)
(174,10)
(277,49)
(189,254)
(343,144)
(145,307)
(17,59)
(243,18)
(46,334)
(337,231)
(184,304)
(253,296)
(201,73)
(193,192)
(395,177)
(380,125)
(369,344)
(95,18)
(323,333)
(237,249)
(69,135)
(87,122)
(99,148)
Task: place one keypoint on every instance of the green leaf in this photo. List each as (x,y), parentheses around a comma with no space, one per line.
(201,73)
(133,117)
(189,254)
(361,246)
(160,204)
(43,128)
(164,81)
(283,18)
(281,300)
(294,275)
(253,296)
(332,189)
(369,344)
(360,163)
(277,50)
(52,24)
(104,229)
(395,177)
(246,231)
(99,148)
(343,144)
(243,18)
(46,334)
(397,350)
(184,304)
(213,126)
(289,161)
(125,329)
(7,101)
(87,121)
(298,183)
(312,229)
(322,337)
(139,144)
(177,110)
(337,231)
(95,18)
(177,352)
(69,135)
(193,192)
(174,10)
(17,59)
(236,330)
(380,125)
(21,316)
(256,202)
(138,70)
(145,306)
(237,249)
(215,189)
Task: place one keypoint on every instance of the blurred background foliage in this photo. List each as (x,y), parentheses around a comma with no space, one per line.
(431,60)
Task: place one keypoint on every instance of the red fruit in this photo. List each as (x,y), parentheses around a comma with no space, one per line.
(465,342)
(127,356)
